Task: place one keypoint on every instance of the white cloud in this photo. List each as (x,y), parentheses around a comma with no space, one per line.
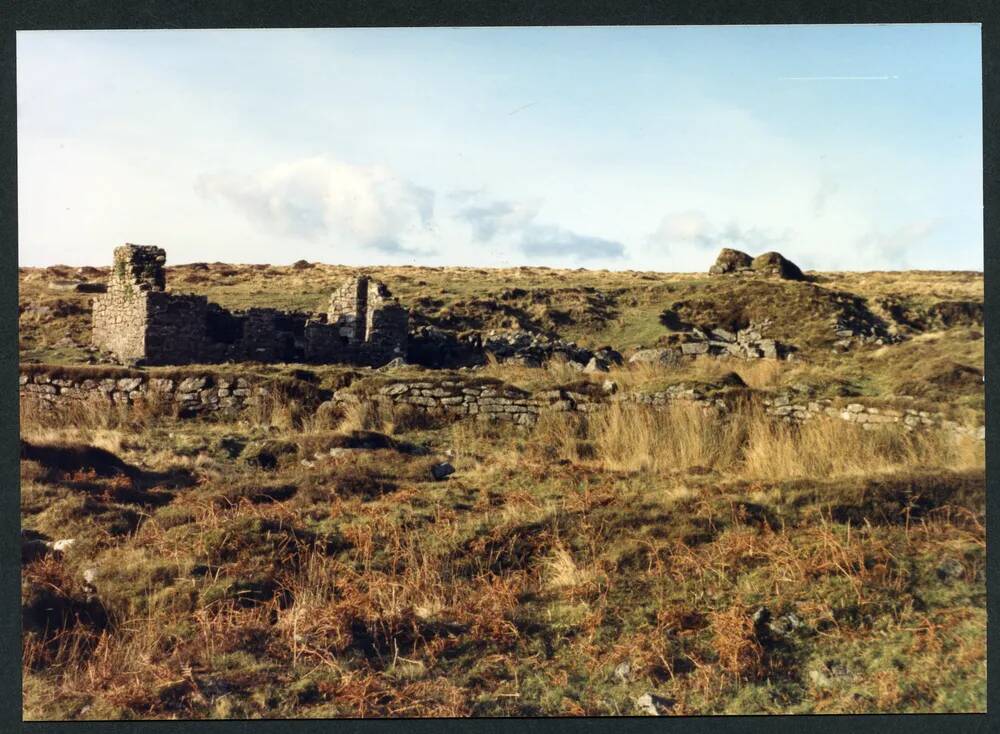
(516,224)
(686,226)
(323,199)
(877,248)
(489,218)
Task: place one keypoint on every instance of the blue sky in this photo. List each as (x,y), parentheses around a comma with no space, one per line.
(843,147)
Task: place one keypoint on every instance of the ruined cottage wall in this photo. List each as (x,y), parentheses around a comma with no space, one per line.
(154,327)
(119,321)
(175,328)
(323,342)
(263,340)
(387,333)
(365,325)
(138,268)
(136,320)
(348,305)
(120,315)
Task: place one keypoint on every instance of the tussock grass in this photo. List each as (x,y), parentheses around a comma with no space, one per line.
(744,443)
(823,448)
(387,417)
(95,413)
(679,438)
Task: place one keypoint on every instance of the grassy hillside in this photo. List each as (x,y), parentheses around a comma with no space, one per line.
(623,309)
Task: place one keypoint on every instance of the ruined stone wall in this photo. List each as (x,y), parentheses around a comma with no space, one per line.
(151,327)
(137,321)
(371,323)
(324,342)
(121,314)
(196,394)
(507,403)
(119,320)
(495,401)
(138,268)
(175,328)
(263,338)
(460,398)
(191,395)
(748,343)
(348,305)
(868,417)
(387,333)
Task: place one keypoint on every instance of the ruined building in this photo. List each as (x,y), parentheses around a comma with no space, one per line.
(138,321)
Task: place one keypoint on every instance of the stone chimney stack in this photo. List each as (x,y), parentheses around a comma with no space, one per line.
(138,268)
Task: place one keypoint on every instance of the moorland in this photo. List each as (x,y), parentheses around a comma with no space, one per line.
(305,557)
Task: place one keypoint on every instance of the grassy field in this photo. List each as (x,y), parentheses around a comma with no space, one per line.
(721,563)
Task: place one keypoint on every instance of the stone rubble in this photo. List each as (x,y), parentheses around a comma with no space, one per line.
(534,350)
(748,343)
(853,333)
(653,705)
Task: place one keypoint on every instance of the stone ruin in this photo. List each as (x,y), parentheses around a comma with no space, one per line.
(138,321)
(364,325)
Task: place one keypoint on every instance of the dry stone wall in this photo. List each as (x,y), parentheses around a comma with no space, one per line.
(199,394)
(867,416)
(196,394)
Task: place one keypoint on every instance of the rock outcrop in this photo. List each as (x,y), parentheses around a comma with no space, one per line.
(775,264)
(770,264)
(730,261)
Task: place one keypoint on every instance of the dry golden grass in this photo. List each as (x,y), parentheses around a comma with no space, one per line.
(823,448)
(746,443)
(95,412)
(435,616)
(677,438)
(940,284)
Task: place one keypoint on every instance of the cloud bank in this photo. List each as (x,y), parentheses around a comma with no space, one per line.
(327,201)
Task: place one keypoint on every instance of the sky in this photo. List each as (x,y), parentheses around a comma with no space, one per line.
(852,147)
